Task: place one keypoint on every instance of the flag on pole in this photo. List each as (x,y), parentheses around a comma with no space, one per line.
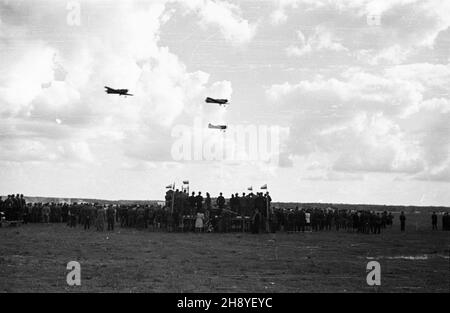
(250,188)
(186,182)
(264,186)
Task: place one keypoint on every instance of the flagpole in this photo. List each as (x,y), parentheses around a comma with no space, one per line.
(267,209)
(267,212)
(173,197)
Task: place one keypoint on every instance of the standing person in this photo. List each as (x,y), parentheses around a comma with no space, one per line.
(220,202)
(192,203)
(243,205)
(251,204)
(378,223)
(86,216)
(314,219)
(256,222)
(302,220)
(384,219)
(110,214)
(260,206)
(72,216)
(308,220)
(268,210)
(46,213)
(24,209)
(199,222)
(14,208)
(178,207)
(237,204)
(100,222)
(434,219)
(8,208)
(268,201)
(131,216)
(140,212)
(445,221)
(123,215)
(208,202)
(402,221)
(1,211)
(233,203)
(390,219)
(199,202)
(328,218)
(186,204)
(18,208)
(147,214)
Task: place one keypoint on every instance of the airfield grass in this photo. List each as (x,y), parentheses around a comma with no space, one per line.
(33,258)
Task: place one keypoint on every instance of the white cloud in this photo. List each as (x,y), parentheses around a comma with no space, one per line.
(393,55)
(278,17)
(408,28)
(366,122)
(320,40)
(226,16)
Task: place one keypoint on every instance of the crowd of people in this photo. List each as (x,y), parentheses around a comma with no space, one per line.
(183,212)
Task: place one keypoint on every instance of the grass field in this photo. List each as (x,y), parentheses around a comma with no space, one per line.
(34,258)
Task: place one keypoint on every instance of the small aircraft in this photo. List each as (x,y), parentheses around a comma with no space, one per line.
(221,127)
(120,92)
(217,101)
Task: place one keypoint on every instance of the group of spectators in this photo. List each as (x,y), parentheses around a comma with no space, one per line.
(251,212)
(182,212)
(317,219)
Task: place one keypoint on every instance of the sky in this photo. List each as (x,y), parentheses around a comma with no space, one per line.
(329,101)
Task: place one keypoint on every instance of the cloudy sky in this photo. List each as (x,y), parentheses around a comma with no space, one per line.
(360,91)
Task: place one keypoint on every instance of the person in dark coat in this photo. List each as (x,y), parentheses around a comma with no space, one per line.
(434,219)
(243,205)
(220,202)
(402,221)
(110,217)
(192,203)
(256,222)
(378,223)
(86,216)
(199,202)
(208,202)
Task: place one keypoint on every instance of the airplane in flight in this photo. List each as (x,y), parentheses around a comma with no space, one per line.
(220,127)
(120,92)
(223,102)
